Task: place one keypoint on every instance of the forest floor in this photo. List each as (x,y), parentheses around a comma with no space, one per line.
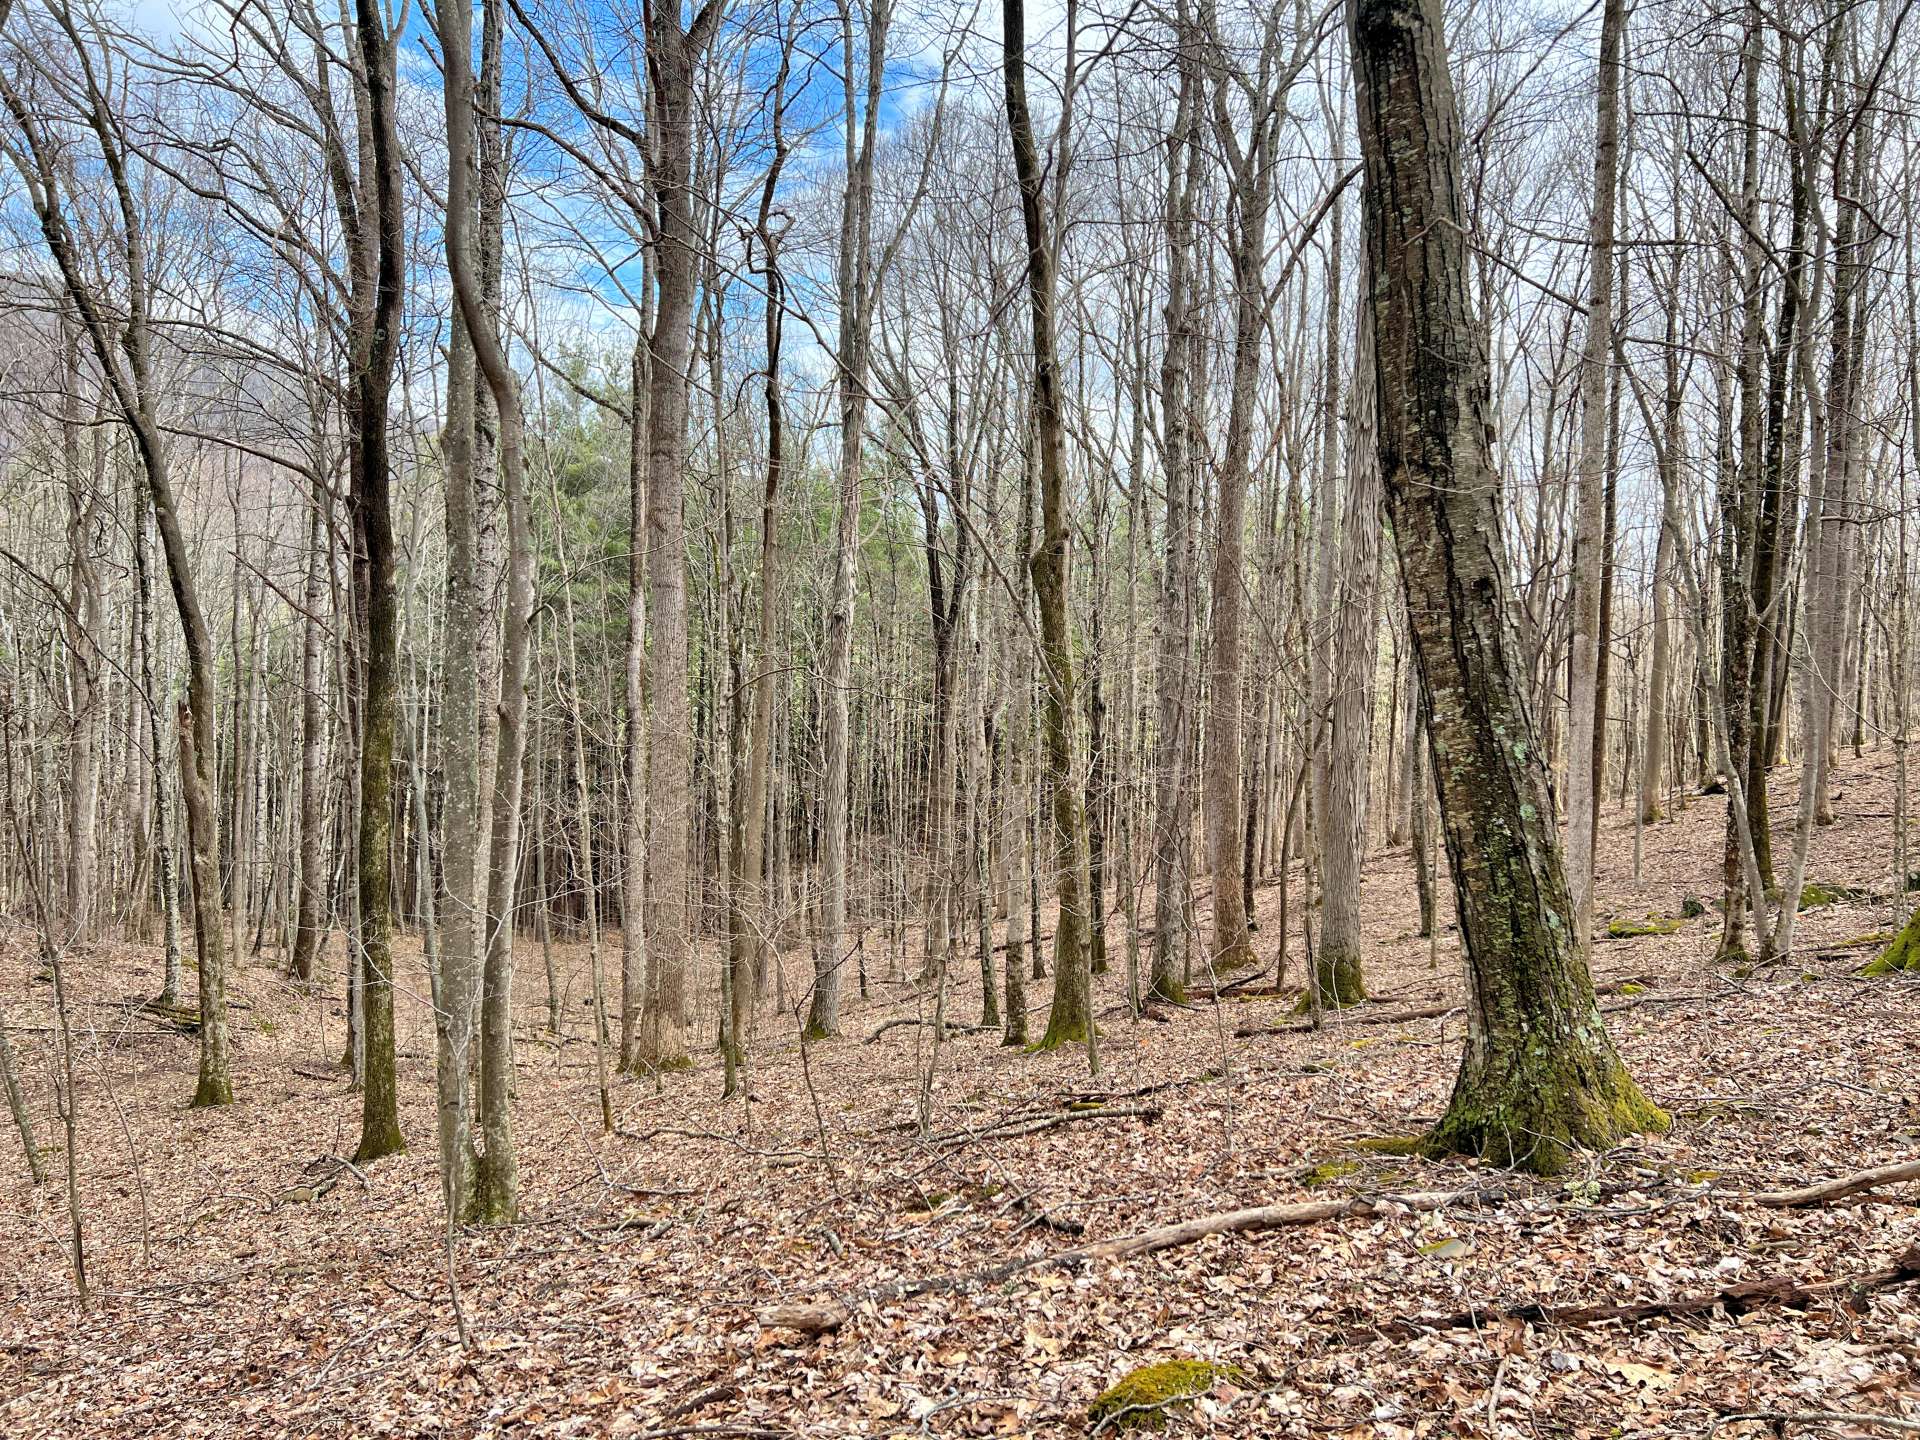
(236,1293)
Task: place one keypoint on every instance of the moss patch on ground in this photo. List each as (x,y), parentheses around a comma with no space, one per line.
(1652,925)
(1143,1397)
(1328,1171)
(1816,894)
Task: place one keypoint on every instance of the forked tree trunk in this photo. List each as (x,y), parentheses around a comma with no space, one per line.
(496,1177)
(1540,1075)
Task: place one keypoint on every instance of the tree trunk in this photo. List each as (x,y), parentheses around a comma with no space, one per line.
(1172,883)
(1071,1017)
(671,56)
(1337,975)
(496,1177)
(374,359)
(1584,720)
(309,929)
(1540,1075)
(633,891)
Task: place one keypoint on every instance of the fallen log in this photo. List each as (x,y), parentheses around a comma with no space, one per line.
(1353,1017)
(1740,1299)
(1033,1125)
(1854,1184)
(917,1020)
(808,1319)
(1186,1232)
(1780,1419)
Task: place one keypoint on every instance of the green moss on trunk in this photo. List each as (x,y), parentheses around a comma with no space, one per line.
(1169,989)
(1903,955)
(1539,1103)
(1338,978)
(1062,1030)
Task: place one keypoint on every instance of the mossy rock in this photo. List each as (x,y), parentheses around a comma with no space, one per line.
(1814,894)
(1652,925)
(1692,907)
(1142,1398)
(1328,1171)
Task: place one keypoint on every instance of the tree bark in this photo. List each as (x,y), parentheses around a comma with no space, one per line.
(1071,1016)
(672,53)
(1540,1075)
(375,354)
(1584,701)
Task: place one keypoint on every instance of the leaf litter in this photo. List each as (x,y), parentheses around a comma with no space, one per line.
(248,1285)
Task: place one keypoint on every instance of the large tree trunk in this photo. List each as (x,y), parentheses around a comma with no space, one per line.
(671,55)
(462,903)
(1071,1017)
(1540,1075)
(375,354)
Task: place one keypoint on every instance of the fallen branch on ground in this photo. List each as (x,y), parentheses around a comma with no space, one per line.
(807,1319)
(820,1316)
(1781,1418)
(1738,1299)
(1854,1184)
(1351,1017)
(1033,1125)
(917,1020)
(1186,1232)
